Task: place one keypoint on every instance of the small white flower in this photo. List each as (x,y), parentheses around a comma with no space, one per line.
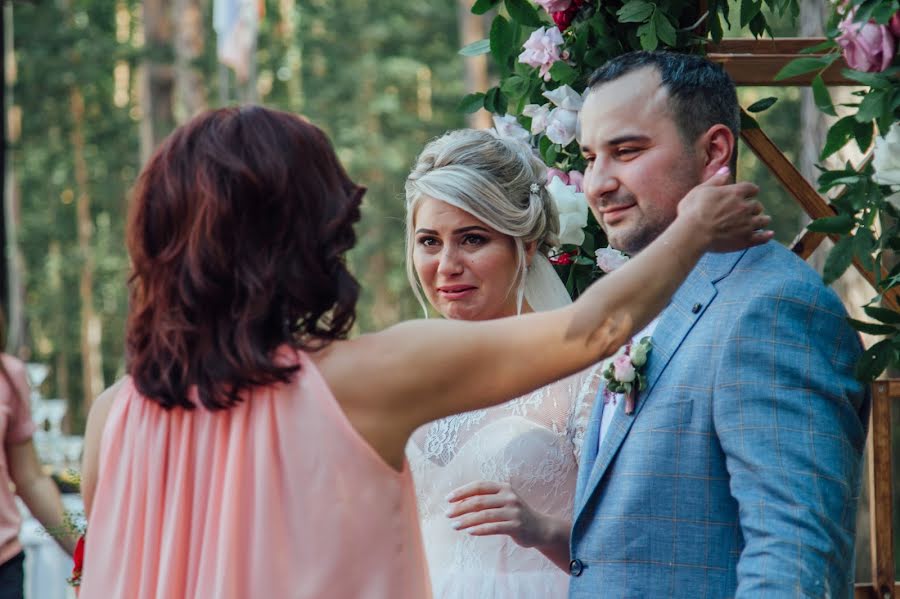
(562,126)
(508,126)
(573,211)
(539,116)
(565,97)
(609,259)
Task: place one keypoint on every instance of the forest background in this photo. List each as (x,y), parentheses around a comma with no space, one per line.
(94,85)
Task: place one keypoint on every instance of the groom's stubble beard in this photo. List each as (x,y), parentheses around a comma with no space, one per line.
(652,220)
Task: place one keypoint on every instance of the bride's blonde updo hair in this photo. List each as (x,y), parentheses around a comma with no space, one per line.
(497,180)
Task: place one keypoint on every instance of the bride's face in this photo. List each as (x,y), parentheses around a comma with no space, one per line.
(467,269)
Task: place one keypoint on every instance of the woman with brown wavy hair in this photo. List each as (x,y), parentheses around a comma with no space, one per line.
(253,450)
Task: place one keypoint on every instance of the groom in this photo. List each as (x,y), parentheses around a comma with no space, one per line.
(738,472)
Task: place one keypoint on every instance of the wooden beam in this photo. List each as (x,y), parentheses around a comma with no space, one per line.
(867,591)
(881,490)
(806,243)
(749,69)
(809,199)
(756,61)
(763,46)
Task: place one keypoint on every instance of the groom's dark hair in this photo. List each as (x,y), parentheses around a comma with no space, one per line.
(701,94)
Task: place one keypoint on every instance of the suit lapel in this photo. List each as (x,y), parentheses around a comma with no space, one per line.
(673,326)
(590,445)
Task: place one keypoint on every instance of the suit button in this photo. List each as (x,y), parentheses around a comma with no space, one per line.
(576,567)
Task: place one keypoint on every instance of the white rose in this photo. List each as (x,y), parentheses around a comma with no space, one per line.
(886,158)
(609,259)
(508,126)
(565,97)
(562,126)
(572,209)
(539,117)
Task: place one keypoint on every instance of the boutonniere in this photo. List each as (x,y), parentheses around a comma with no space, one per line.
(624,373)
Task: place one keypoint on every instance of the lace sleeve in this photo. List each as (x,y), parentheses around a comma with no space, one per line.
(585,387)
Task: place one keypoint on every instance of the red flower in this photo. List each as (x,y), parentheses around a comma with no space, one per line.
(564,18)
(563,259)
(78,558)
(894,24)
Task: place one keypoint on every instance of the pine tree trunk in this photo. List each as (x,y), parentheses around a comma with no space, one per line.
(156,79)
(471,29)
(91,331)
(189,35)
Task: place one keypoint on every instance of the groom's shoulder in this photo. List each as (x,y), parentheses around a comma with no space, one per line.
(773,270)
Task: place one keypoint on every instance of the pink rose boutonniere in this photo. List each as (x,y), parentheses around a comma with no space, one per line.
(624,373)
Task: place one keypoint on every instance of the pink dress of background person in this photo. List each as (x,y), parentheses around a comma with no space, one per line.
(280,484)
(17,427)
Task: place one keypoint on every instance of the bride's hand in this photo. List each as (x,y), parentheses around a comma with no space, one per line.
(485,508)
(726,213)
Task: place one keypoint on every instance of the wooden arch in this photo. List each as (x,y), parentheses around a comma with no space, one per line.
(752,62)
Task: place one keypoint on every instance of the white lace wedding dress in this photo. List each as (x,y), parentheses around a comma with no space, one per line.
(534,444)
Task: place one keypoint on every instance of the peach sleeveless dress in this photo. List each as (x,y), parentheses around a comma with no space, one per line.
(278,497)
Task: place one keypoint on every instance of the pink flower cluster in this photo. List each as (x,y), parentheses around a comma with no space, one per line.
(542,50)
(868,47)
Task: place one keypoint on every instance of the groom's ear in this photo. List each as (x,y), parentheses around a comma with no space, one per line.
(717,146)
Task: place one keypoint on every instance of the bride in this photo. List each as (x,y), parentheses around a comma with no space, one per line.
(494,486)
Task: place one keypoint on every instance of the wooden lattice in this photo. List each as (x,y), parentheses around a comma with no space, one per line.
(752,63)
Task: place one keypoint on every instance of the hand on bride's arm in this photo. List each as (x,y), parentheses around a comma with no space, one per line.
(486,508)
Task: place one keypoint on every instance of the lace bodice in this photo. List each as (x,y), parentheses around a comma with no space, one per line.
(534,444)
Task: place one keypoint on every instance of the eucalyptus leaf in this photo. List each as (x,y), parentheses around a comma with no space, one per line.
(871,328)
(761,105)
(749,10)
(471,103)
(836,225)
(870,79)
(818,48)
(800,66)
(882,314)
(748,122)
(838,135)
(501,39)
(476,48)
(821,96)
(839,260)
(482,6)
(872,106)
(874,360)
(522,11)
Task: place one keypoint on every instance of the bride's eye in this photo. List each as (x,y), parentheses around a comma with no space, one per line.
(472,239)
(427,241)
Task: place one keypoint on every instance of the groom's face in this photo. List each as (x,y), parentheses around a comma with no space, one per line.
(639,165)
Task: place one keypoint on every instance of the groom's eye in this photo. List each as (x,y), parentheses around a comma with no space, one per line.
(625,152)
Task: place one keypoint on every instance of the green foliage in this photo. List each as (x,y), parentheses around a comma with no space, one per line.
(597,32)
(866,222)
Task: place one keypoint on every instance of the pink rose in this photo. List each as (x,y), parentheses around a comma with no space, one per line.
(542,50)
(552,6)
(624,369)
(868,47)
(557,174)
(576,179)
(894,24)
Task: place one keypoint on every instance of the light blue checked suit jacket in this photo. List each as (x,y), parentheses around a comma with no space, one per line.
(738,473)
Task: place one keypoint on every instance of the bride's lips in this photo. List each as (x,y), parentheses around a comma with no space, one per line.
(455,292)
